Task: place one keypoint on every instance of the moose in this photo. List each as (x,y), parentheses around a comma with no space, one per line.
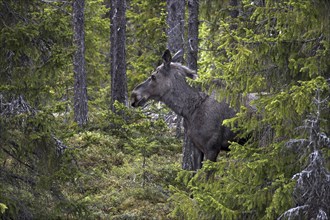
(203,115)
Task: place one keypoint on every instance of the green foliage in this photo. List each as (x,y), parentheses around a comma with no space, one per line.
(97,35)
(279,51)
(29,159)
(3,208)
(114,167)
(122,167)
(117,167)
(239,188)
(33,59)
(128,166)
(146,38)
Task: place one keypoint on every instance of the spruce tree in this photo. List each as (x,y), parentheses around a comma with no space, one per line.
(276,52)
(192,157)
(80,86)
(118,52)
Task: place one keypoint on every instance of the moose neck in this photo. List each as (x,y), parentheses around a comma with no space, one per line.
(183,99)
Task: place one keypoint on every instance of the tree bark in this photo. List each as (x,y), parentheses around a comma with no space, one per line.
(175,36)
(80,87)
(192,157)
(193,22)
(118,52)
(175,21)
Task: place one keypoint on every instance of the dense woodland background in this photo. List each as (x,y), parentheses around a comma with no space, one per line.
(71,148)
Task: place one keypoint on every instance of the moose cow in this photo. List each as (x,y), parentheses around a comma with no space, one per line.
(203,115)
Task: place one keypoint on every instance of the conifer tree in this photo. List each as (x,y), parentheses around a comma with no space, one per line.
(80,85)
(175,36)
(192,157)
(118,52)
(312,191)
(146,38)
(175,22)
(34,57)
(276,50)
(192,41)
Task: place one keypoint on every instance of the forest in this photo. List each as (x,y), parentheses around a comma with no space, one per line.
(73,147)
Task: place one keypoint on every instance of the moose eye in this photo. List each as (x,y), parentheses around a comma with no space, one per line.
(153,77)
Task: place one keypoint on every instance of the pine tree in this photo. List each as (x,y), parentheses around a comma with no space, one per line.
(118,52)
(192,157)
(175,22)
(192,41)
(175,36)
(80,85)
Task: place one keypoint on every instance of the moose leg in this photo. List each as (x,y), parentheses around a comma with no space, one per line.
(211,155)
(212,149)
(197,158)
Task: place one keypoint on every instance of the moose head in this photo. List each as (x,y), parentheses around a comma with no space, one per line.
(162,81)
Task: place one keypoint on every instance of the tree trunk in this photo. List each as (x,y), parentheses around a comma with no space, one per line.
(118,52)
(175,36)
(193,22)
(192,157)
(175,21)
(80,87)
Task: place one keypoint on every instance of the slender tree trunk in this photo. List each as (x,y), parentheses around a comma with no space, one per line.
(113,33)
(80,87)
(175,21)
(193,22)
(175,35)
(118,52)
(192,157)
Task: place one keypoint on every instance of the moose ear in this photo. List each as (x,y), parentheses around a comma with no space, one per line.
(167,58)
(177,57)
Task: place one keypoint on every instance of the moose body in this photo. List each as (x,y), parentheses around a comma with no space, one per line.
(203,115)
